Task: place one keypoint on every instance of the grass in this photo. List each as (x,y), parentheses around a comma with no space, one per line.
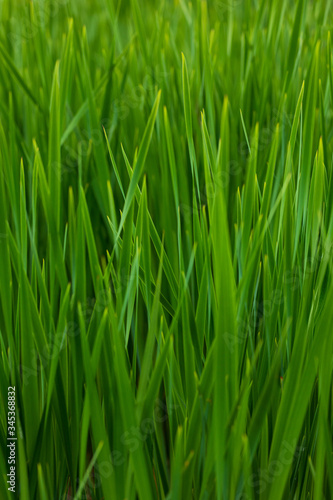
(166,242)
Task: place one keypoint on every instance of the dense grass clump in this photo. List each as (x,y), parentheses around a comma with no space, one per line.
(166,243)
